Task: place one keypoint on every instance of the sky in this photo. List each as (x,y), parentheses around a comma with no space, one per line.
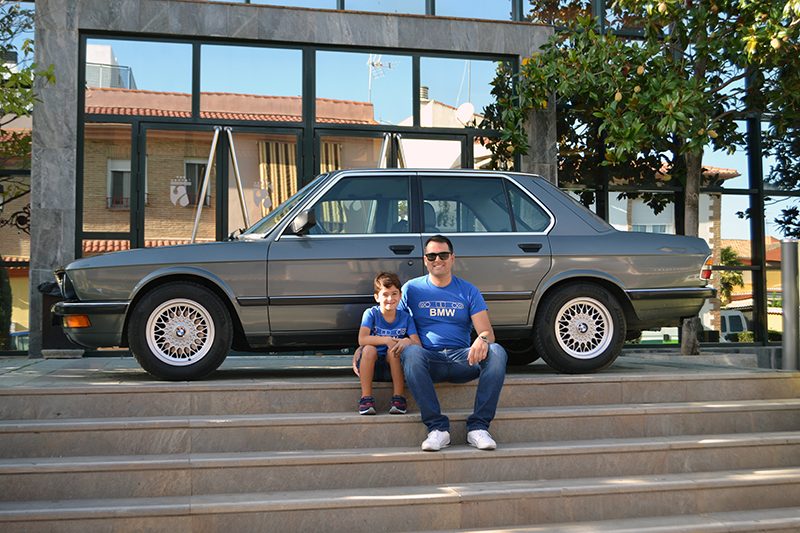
(348,76)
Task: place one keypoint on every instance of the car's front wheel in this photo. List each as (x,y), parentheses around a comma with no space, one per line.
(180,331)
(579,328)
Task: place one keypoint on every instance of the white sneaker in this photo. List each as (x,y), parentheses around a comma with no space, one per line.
(481,439)
(436,441)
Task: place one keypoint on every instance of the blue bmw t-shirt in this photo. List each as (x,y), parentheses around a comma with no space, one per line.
(403,326)
(443,315)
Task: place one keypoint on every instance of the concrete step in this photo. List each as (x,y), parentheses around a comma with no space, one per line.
(772,520)
(437,507)
(327,395)
(165,476)
(314,431)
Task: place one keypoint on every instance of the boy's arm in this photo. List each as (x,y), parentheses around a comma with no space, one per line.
(401,345)
(365,339)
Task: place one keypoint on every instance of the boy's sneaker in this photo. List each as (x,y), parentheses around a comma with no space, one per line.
(436,441)
(398,405)
(366,405)
(481,439)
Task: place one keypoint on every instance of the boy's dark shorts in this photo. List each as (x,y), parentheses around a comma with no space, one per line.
(383,371)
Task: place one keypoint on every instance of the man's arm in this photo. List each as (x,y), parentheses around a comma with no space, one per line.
(480,348)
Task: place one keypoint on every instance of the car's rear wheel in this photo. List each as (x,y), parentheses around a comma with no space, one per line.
(520,351)
(580,328)
(180,331)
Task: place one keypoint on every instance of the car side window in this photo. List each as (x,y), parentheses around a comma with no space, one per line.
(528,215)
(464,205)
(361,205)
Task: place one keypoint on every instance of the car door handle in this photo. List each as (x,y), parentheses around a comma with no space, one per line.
(402,249)
(530,247)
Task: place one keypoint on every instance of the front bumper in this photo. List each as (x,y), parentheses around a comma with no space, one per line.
(107,321)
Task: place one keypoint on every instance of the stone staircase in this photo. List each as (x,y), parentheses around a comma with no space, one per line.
(684,451)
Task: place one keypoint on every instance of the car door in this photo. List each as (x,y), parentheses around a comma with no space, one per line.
(323,281)
(499,235)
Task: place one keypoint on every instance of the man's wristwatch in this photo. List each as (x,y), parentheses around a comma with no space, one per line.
(484,338)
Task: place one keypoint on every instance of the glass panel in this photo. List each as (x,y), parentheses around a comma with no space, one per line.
(557,12)
(430,153)
(356,206)
(176,164)
(638,212)
(731,313)
(350,152)
(617,17)
(15,253)
(239,83)
(14,293)
(478,205)
(268,169)
(528,215)
(355,88)
(314,4)
(485,9)
(107,181)
(659,336)
(781,215)
(138,78)
(454,92)
(774,296)
(412,7)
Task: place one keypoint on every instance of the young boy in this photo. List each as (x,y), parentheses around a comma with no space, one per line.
(381,327)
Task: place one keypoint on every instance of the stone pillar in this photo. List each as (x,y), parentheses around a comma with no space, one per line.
(542,153)
(54,144)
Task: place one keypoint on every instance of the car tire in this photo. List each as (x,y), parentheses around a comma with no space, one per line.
(520,352)
(180,332)
(580,328)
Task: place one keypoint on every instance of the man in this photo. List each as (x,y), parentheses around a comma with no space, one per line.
(445,309)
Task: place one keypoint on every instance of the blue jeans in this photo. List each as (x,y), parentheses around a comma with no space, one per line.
(423,368)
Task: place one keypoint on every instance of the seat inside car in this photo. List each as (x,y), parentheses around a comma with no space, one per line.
(429,217)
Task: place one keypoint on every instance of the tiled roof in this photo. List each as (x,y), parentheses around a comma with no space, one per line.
(101,246)
(7,260)
(742,248)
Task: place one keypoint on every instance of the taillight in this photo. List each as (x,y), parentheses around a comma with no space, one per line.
(705,273)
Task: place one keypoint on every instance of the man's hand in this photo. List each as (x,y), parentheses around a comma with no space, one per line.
(478,351)
(399,346)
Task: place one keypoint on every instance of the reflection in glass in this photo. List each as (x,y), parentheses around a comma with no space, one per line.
(138,78)
(409,7)
(378,90)
(107,182)
(313,4)
(176,165)
(646,213)
(619,18)
(485,9)
(239,82)
(426,153)
(558,12)
(782,216)
(268,167)
(454,92)
(350,152)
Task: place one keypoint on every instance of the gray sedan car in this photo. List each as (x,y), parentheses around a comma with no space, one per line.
(560,282)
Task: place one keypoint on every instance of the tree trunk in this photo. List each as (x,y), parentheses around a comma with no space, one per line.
(694,170)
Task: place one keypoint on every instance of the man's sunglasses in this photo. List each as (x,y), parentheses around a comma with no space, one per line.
(444,256)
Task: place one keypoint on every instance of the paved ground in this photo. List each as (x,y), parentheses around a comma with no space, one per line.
(24,372)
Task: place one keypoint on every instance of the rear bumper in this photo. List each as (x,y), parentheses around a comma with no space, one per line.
(656,308)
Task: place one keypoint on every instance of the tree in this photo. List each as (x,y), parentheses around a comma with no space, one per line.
(731,278)
(656,102)
(18,74)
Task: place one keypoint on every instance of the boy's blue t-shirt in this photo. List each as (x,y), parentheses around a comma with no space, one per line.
(403,326)
(443,315)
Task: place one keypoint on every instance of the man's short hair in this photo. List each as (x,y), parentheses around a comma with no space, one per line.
(440,239)
(385,280)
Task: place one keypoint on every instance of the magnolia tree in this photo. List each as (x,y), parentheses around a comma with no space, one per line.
(655,102)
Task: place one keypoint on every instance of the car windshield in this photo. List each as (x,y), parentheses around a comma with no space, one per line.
(266,224)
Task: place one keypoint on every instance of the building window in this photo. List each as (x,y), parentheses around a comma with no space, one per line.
(118,195)
(195,171)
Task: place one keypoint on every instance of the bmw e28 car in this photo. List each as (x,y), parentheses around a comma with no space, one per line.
(559,282)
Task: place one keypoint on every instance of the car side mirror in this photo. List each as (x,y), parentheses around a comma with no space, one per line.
(304,222)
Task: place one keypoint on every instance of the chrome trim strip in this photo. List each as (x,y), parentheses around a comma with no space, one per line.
(89,308)
(666,294)
(507,296)
(252,301)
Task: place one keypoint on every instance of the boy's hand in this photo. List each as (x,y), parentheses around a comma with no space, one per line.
(355,360)
(399,346)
